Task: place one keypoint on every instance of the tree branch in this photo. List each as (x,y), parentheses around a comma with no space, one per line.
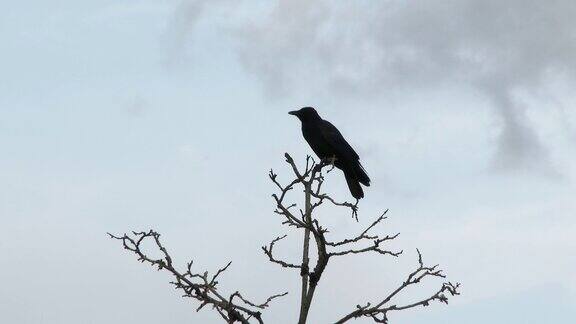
(268,252)
(364,235)
(198,286)
(236,308)
(312,180)
(379,312)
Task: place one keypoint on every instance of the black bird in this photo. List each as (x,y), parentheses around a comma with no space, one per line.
(327,142)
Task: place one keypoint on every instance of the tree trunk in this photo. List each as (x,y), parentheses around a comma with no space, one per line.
(304,302)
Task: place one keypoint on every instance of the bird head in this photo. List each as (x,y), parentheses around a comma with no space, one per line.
(305,114)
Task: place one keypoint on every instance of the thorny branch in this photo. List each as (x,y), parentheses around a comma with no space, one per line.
(236,308)
(379,312)
(364,234)
(268,252)
(312,179)
(196,285)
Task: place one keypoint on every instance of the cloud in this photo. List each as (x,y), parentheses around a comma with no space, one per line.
(369,48)
(185,16)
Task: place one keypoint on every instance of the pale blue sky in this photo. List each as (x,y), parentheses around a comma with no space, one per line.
(129,115)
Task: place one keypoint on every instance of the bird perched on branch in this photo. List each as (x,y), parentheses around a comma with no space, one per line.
(327,142)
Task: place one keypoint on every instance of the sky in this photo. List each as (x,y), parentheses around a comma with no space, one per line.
(167,114)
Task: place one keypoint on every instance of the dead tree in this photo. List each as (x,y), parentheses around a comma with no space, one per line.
(236,308)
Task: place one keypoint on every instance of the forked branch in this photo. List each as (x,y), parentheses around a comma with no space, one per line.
(233,308)
(312,180)
(379,312)
(196,285)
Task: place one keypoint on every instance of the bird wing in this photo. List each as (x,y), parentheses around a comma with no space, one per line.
(333,137)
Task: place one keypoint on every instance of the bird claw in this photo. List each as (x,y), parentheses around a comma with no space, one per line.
(332,162)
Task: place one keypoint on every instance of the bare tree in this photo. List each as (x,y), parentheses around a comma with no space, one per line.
(236,308)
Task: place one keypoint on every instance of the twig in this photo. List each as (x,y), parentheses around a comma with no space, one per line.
(268,252)
(312,180)
(194,285)
(379,312)
(363,235)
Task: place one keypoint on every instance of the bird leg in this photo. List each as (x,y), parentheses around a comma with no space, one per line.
(332,162)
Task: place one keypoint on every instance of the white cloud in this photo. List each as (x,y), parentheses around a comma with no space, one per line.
(369,48)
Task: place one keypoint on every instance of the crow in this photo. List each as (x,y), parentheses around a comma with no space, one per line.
(327,142)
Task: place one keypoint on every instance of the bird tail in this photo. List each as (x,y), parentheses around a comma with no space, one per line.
(361,175)
(354,185)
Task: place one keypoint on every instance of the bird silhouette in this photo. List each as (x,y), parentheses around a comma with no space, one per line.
(327,142)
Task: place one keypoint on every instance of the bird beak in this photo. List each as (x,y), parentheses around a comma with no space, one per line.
(294,113)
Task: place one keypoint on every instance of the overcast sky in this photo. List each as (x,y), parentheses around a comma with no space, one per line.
(129,115)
